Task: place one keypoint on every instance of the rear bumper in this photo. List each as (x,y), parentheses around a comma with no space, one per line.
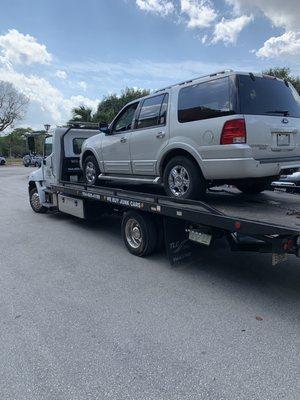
(239,168)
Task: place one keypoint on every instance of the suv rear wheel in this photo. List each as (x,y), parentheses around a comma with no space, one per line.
(183,179)
(254,187)
(91,170)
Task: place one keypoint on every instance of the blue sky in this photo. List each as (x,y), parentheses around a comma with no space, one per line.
(62,55)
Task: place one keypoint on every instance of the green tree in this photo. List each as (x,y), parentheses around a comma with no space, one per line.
(82,114)
(15,143)
(284,73)
(109,107)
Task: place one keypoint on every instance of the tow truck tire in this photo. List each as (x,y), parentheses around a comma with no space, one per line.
(91,170)
(254,187)
(34,200)
(139,233)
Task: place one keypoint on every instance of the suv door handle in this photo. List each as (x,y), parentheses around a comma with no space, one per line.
(123,139)
(160,135)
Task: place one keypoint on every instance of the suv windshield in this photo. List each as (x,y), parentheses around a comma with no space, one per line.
(267,96)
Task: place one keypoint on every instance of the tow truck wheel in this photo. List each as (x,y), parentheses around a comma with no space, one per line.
(139,233)
(35,203)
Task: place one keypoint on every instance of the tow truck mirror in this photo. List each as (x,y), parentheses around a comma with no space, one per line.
(103,127)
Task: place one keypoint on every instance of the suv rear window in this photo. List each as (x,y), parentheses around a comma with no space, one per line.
(205,100)
(267,96)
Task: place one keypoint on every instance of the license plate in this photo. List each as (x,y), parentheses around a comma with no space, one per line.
(283,139)
(200,237)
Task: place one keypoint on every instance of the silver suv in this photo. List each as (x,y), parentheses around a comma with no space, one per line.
(228,127)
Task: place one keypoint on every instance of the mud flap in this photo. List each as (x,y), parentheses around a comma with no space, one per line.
(178,246)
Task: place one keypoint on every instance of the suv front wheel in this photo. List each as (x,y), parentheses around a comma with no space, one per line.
(91,170)
(183,179)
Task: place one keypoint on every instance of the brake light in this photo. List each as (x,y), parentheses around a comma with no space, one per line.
(234,132)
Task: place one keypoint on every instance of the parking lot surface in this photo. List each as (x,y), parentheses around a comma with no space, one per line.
(81,318)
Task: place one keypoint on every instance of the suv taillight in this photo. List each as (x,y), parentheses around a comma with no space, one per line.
(234,132)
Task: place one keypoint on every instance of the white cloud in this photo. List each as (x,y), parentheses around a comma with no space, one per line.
(16,48)
(149,74)
(163,7)
(61,74)
(284,14)
(83,85)
(48,98)
(285,45)
(227,30)
(200,13)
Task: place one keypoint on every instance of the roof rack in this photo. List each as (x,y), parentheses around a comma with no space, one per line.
(194,79)
(83,125)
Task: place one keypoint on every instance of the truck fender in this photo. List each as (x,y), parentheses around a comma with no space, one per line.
(40,189)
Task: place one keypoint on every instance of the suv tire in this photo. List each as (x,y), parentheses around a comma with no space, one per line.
(91,170)
(253,187)
(183,179)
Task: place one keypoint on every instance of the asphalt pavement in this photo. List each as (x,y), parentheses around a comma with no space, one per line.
(81,318)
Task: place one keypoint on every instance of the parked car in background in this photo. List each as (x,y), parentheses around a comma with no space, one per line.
(2,160)
(228,127)
(288,183)
(32,160)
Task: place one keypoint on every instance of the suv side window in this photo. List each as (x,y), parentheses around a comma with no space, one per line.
(153,112)
(125,119)
(205,100)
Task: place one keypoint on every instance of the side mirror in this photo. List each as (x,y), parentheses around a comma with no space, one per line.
(103,127)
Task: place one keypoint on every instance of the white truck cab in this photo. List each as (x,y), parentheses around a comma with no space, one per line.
(62,150)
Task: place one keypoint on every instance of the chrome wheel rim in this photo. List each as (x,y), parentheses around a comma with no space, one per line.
(35,201)
(90,172)
(179,181)
(133,233)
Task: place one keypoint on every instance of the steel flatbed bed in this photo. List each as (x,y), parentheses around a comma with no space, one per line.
(269,222)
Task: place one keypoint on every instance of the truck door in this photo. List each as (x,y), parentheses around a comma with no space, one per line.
(49,176)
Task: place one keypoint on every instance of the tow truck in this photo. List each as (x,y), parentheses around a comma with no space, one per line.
(266,223)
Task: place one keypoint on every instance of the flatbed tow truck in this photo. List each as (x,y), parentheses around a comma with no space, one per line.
(267,223)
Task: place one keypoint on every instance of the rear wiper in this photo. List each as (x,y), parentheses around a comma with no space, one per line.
(283,112)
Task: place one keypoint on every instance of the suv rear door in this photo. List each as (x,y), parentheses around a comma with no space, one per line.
(272,113)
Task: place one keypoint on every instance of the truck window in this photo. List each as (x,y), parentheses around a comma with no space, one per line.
(48,146)
(77,145)
(205,100)
(150,113)
(267,96)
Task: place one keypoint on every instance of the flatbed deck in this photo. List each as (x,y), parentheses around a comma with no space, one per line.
(269,213)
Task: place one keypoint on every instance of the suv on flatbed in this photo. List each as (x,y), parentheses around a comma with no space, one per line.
(228,127)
